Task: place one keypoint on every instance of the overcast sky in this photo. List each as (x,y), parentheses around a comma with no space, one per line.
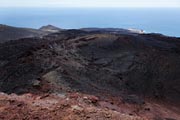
(90,3)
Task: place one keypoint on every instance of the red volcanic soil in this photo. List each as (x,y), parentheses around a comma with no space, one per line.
(77,106)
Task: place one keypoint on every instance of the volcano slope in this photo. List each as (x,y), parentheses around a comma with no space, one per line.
(122,76)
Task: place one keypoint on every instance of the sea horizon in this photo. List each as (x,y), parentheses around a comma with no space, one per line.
(151,20)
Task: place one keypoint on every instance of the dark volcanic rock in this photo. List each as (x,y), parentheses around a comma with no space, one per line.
(93,62)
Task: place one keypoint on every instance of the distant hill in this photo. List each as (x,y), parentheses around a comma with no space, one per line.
(50,28)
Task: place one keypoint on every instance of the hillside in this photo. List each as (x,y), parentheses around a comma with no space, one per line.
(8,33)
(90,75)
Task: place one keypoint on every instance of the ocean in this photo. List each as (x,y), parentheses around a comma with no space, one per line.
(156,20)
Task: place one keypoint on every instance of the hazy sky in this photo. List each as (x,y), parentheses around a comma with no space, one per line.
(90,3)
